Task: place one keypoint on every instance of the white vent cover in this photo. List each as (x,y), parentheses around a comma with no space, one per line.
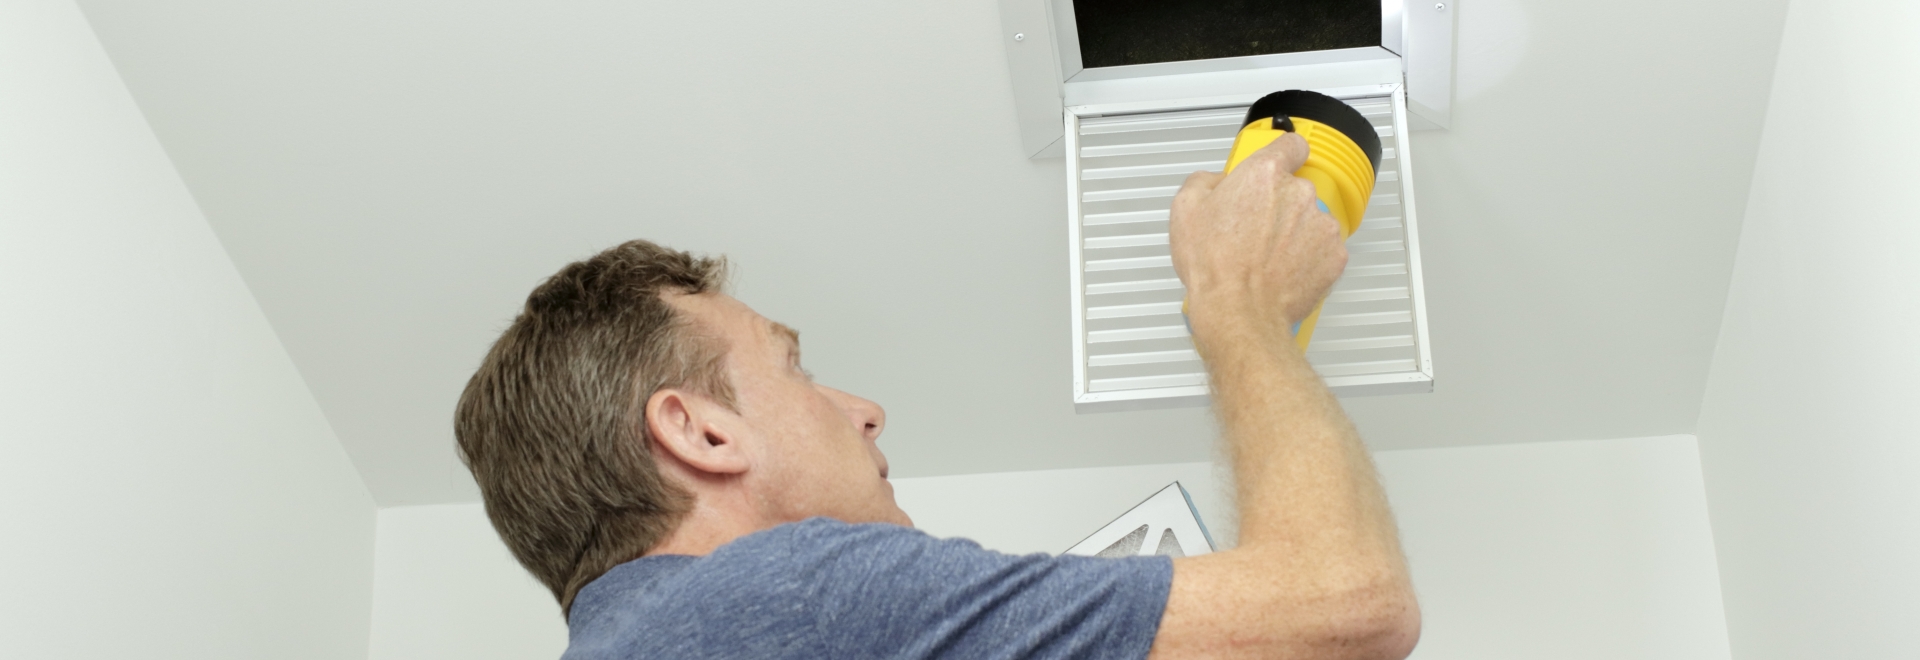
(1165,524)
(1131,347)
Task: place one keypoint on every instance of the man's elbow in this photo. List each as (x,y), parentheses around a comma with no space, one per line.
(1381,622)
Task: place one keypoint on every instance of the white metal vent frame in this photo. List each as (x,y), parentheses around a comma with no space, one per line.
(1419,379)
(1043,61)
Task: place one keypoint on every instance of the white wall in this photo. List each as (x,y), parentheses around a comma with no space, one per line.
(1565,550)
(168,488)
(1808,432)
(446,587)
(1050,510)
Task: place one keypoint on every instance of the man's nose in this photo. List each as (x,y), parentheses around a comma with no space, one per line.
(868,416)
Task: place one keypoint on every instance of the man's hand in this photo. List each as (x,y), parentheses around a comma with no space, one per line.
(1253,246)
(1318,574)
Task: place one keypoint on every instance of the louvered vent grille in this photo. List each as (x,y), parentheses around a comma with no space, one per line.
(1132,344)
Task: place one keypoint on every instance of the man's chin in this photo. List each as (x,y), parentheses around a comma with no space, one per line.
(890,511)
(899,516)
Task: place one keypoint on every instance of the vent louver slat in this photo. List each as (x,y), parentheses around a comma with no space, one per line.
(1130,193)
(1136,334)
(1124,218)
(1127,264)
(1132,344)
(1221,144)
(1182,169)
(1118,359)
(1127,241)
(1129,287)
(1361,295)
(1123,311)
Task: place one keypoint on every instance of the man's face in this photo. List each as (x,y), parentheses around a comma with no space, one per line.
(814,448)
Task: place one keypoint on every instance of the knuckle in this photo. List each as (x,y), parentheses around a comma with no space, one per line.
(1265,167)
(1182,197)
(1298,143)
(1182,204)
(1304,186)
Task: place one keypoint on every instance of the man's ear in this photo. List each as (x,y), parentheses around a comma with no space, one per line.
(696,430)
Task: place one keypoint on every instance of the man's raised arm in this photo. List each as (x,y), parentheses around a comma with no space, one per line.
(1318,572)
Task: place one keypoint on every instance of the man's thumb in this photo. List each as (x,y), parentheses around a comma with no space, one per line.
(1289,152)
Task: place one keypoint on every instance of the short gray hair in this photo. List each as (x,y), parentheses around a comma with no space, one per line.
(553,424)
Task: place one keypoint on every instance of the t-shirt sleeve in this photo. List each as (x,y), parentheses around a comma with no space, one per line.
(884,591)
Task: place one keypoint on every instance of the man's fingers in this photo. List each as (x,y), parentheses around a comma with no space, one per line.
(1198,185)
(1201,181)
(1288,153)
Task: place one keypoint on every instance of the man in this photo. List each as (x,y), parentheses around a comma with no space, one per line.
(652,450)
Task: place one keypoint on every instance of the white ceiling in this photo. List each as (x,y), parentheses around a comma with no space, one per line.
(392,178)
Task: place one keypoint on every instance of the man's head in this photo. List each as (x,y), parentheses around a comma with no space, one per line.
(632,397)
(793,447)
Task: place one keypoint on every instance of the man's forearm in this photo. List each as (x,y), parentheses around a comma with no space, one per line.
(1306,484)
(1318,574)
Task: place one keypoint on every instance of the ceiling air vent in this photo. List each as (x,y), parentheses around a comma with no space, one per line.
(1131,347)
(1135,96)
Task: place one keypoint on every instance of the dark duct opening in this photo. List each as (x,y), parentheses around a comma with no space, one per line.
(1122,32)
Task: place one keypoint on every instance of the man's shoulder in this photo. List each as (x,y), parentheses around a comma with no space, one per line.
(786,560)
(774,584)
(819,530)
(825,588)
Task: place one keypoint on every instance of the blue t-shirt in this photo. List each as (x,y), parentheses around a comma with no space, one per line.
(826,589)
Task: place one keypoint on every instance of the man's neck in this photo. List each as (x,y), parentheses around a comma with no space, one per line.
(704,530)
